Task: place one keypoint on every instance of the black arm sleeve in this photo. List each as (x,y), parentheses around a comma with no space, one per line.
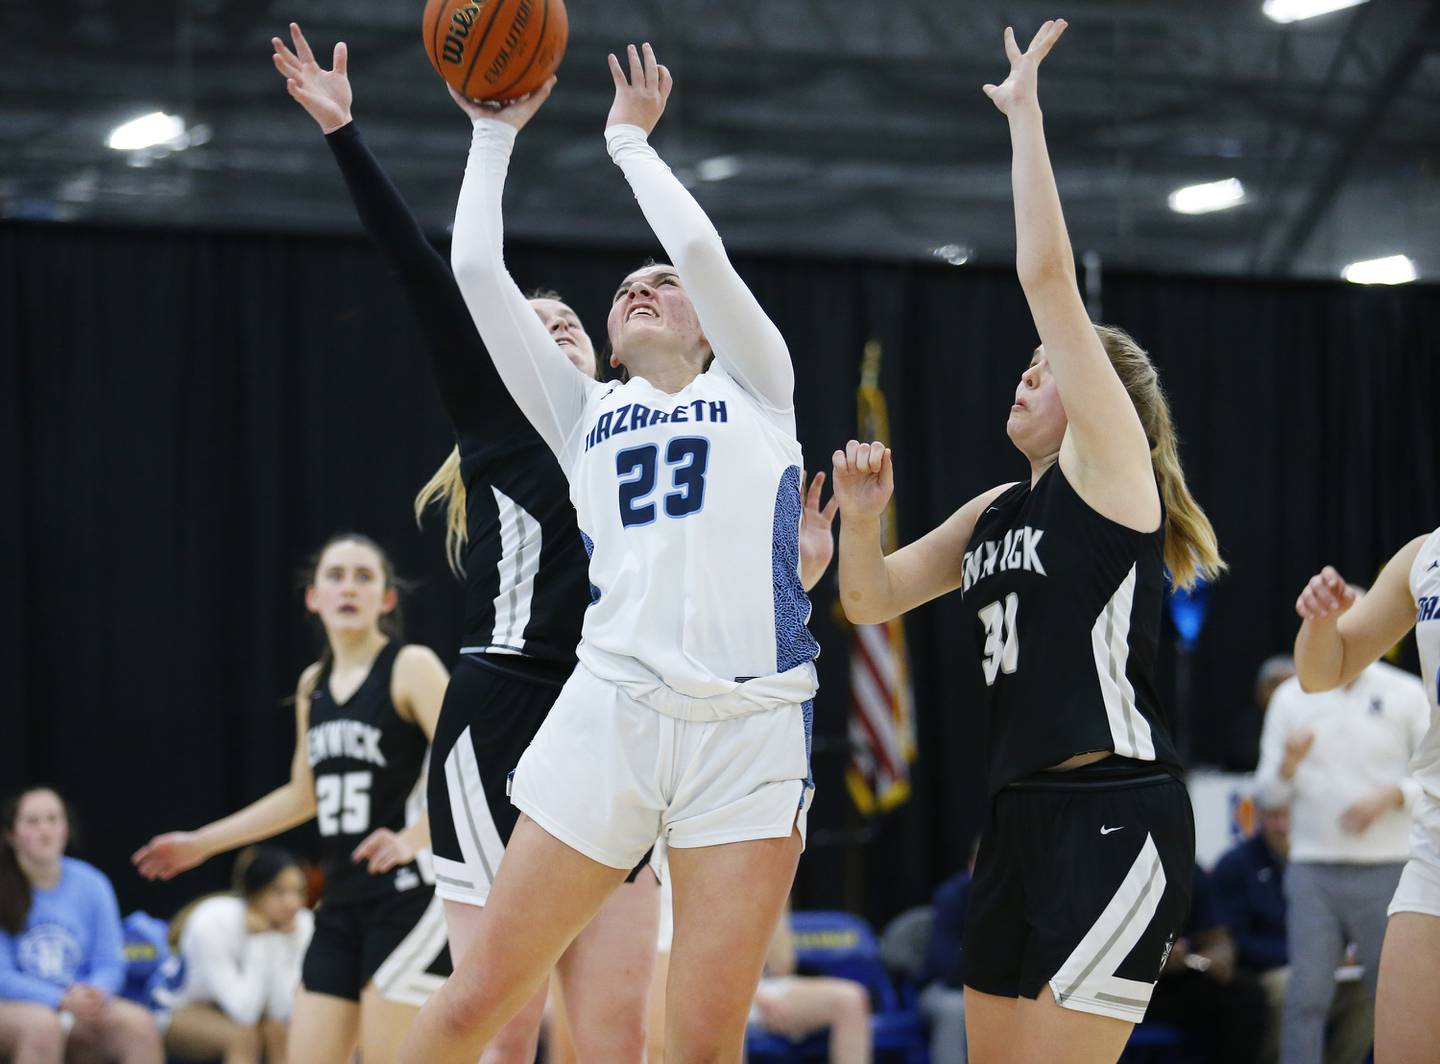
(471,389)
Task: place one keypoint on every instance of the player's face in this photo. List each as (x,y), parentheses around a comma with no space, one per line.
(349,593)
(40,831)
(569,335)
(282,899)
(1037,418)
(651,309)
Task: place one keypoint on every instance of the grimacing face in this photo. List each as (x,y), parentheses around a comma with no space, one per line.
(652,310)
(569,335)
(349,592)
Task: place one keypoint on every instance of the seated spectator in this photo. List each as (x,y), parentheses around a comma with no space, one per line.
(797,1006)
(1220,1010)
(61,956)
(242,955)
(943,999)
(1248,887)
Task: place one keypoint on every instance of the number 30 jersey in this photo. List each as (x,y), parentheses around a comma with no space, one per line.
(689,505)
(368,765)
(1064,607)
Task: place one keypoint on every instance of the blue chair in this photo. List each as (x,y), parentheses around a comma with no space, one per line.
(842,945)
(1158,1042)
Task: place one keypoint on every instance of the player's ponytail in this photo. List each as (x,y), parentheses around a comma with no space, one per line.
(447,488)
(391,624)
(1191,549)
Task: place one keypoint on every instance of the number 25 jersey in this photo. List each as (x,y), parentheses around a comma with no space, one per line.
(689,505)
(1063,606)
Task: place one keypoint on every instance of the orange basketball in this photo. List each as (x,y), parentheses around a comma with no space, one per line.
(495,49)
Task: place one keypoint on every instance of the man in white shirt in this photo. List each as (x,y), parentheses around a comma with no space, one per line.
(1340,758)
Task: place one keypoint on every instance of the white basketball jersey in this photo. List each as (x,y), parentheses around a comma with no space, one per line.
(690,507)
(1425,589)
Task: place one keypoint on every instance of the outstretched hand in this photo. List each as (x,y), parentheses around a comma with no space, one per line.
(639,98)
(325,94)
(1325,595)
(516,112)
(1019,89)
(166,856)
(817,540)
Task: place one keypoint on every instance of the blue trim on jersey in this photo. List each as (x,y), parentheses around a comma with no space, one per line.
(807,712)
(794,645)
(590,553)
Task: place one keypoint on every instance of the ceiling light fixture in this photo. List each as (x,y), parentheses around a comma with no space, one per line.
(952,254)
(718,168)
(147,131)
(1212,196)
(1393,269)
(1298,10)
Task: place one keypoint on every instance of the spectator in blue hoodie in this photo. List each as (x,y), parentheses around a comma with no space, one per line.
(61,957)
(1248,886)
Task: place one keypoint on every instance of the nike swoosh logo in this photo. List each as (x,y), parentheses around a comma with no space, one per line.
(1110,831)
(1433,565)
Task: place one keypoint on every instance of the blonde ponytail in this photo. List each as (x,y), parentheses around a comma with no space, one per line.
(447,487)
(1192,552)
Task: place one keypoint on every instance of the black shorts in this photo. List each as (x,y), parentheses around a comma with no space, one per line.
(397,940)
(1082,885)
(490,713)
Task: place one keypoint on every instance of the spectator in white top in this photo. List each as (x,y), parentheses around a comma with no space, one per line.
(242,955)
(1340,759)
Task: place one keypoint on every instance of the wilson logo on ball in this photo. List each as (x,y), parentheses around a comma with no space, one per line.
(495,49)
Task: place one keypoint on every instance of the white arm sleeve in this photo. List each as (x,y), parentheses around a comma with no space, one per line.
(543,382)
(231,973)
(741,335)
(1270,789)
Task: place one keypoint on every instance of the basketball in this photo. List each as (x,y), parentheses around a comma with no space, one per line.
(495,49)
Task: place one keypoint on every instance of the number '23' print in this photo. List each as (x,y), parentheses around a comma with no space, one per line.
(687,456)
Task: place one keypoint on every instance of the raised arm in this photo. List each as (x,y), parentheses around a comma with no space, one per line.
(470,388)
(1108,456)
(540,378)
(287,806)
(1340,636)
(741,334)
(874,586)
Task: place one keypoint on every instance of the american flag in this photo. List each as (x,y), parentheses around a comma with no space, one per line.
(882,712)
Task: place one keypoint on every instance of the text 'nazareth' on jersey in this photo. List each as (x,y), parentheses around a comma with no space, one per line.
(639,416)
(345,738)
(1020,549)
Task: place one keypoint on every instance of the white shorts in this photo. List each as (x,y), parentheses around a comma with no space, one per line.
(608,775)
(1419,889)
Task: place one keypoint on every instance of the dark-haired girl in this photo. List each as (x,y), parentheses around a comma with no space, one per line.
(241,953)
(364,715)
(61,956)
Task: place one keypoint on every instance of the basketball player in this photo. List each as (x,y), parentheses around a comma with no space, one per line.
(1083,874)
(511,532)
(1339,638)
(364,715)
(688,714)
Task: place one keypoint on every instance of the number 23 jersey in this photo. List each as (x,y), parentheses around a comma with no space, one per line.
(1063,606)
(689,505)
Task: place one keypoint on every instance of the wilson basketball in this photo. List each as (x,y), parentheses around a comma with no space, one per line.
(495,49)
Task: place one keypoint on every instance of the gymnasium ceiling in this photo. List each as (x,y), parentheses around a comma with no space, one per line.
(845,127)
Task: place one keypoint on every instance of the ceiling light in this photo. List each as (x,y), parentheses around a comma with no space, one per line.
(1202,199)
(1393,269)
(953,254)
(147,131)
(718,168)
(1296,10)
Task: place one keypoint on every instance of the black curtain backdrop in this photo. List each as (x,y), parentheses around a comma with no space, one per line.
(185,417)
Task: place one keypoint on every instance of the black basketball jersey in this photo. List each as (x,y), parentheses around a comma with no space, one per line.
(526,586)
(1063,606)
(368,766)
